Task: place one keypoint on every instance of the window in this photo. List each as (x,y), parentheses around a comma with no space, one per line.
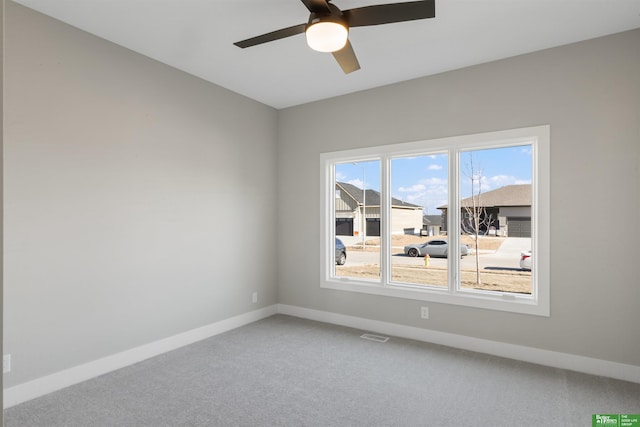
(359,208)
(446,220)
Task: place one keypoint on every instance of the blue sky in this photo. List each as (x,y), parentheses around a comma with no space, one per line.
(422,180)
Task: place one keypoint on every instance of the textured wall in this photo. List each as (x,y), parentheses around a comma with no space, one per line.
(139,199)
(589,93)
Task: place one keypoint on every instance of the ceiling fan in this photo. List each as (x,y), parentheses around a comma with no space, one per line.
(328,27)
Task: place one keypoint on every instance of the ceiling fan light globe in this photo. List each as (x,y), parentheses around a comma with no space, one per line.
(327,36)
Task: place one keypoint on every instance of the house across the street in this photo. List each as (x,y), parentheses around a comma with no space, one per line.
(431,225)
(508,207)
(353,204)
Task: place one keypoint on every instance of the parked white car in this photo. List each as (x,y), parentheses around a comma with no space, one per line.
(435,248)
(525,260)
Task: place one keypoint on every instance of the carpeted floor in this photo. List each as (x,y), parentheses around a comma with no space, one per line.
(284,371)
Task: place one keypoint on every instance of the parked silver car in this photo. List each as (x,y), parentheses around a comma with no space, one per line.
(525,260)
(435,248)
(341,252)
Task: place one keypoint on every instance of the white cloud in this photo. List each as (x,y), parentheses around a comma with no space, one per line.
(435,181)
(342,177)
(497,181)
(429,193)
(356,182)
(413,198)
(413,189)
(434,167)
(491,183)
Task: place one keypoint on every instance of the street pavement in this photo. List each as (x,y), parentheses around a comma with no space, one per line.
(506,257)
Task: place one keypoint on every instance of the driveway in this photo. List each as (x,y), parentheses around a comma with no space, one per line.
(508,254)
(513,246)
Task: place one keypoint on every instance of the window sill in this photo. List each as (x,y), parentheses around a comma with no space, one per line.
(494,301)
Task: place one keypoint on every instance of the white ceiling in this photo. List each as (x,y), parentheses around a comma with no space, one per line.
(196,36)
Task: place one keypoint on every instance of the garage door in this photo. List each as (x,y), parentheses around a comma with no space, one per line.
(344,226)
(519,227)
(373,226)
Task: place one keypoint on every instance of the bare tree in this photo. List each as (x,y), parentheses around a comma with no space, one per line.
(476,220)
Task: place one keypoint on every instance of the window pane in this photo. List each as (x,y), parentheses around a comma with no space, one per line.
(418,249)
(357,219)
(496,218)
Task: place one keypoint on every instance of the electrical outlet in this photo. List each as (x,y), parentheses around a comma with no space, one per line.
(424,312)
(6,363)
(254,297)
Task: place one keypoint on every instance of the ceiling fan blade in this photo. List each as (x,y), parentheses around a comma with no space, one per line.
(317,6)
(346,58)
(274,35)
(390,13)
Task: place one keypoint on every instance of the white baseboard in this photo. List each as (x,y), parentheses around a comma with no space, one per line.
(50,383)
(59,380)
(553,359)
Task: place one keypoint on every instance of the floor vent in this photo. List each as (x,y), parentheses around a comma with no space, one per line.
(376,338)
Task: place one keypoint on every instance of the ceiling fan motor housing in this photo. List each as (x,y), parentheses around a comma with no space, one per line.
(327,31)
(334,15)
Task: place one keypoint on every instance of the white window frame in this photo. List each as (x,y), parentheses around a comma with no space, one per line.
(538,303)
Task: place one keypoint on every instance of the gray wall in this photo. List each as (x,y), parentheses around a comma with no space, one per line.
(139,201)
(590,95)
(125,181)
(1,190)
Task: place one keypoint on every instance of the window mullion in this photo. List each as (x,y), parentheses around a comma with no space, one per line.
(328,225)
(453,218)
(385,220)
